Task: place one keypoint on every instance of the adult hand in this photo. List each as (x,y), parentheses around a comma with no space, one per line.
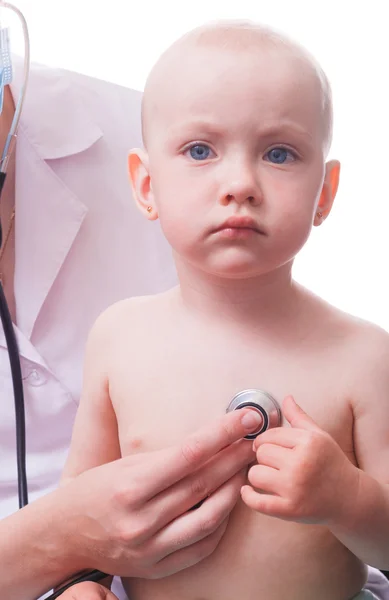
(132,517)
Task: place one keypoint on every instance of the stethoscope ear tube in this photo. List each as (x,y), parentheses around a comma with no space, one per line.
(17,382)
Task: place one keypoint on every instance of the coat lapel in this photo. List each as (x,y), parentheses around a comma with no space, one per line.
(55,123)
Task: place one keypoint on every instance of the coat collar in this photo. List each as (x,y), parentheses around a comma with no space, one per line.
(54,117)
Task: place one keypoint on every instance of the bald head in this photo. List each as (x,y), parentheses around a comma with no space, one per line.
(242,40)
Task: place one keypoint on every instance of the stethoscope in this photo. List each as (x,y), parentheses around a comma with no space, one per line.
(254,399)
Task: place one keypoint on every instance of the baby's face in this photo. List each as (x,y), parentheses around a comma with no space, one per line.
(237,134)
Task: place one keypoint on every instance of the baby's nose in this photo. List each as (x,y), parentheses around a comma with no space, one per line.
(239,198)
(241,188)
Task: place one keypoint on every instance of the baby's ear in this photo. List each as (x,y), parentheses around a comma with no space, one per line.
(138,169)
(328,192)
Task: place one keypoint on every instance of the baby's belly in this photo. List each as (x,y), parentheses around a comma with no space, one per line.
(261,558)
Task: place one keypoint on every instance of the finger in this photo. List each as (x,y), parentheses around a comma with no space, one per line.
(198,524)
(296,416)
(186,493)
(272,455)
(265,479)
(88,591)
(285,437)
(273,506)
(191,555)
(173,464)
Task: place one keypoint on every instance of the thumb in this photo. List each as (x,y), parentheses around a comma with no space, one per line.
(296,416)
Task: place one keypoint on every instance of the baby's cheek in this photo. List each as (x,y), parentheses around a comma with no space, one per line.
(179,230)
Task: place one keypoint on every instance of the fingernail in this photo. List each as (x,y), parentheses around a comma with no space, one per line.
(251,420)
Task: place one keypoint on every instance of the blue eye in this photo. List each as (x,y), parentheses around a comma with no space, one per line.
(200,152)
(279,155)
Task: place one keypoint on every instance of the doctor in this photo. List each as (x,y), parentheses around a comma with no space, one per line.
(74,244)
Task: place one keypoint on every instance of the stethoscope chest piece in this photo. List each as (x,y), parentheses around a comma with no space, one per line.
(263,403)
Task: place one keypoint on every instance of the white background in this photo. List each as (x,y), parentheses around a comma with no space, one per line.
(346,260)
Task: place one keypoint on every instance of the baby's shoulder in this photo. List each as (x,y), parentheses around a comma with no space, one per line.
(365,365)
(355,354)
(129,317)
(365,337)
(365,345)
(368,348)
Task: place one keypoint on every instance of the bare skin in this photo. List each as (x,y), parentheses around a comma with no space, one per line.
(316,503)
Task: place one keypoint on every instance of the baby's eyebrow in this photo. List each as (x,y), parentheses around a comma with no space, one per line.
(196,127)
(282,128)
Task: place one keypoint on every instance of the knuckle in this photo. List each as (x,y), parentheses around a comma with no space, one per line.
(119,493)
(209,524)
(228,431)
(124,493)
(314,441)
(199,487)
(294,507)
(192,452)
(133,534)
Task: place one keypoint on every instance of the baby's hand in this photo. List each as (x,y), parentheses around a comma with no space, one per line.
(302,473)
(87,591)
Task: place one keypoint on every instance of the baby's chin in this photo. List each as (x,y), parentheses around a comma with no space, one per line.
(236,268)
(228,264)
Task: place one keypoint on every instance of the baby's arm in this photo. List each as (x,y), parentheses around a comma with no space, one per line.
(95,434)
(364,528)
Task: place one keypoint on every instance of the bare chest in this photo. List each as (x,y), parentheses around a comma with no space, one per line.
(168,390)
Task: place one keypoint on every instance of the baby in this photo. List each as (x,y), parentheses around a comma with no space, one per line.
(237,125)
